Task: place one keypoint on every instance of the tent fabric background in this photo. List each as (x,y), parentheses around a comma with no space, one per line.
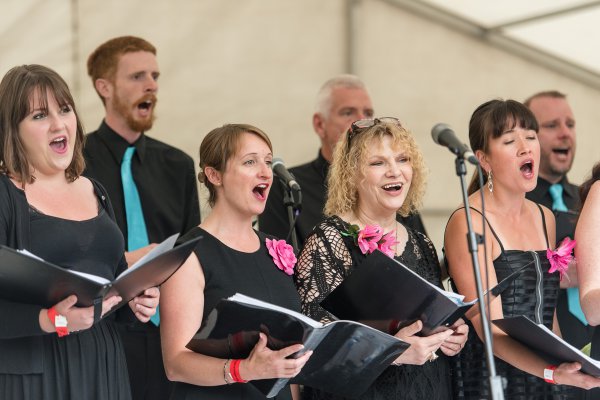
(262,62)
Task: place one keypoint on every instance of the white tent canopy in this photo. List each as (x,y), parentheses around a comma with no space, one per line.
(561,34)
(262,62)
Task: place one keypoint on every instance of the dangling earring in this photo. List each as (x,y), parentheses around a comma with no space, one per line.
(490,184)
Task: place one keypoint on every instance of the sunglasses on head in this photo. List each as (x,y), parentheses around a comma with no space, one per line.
(362,124)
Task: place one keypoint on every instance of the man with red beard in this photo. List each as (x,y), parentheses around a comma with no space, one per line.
(125,74)
(557,150)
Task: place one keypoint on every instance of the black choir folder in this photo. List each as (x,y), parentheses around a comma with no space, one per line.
(26,278)
(347,356)
(546,343)
(382,290)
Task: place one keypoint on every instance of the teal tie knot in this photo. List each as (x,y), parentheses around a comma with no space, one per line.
(556,191)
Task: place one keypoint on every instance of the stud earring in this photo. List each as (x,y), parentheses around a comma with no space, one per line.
(490,183)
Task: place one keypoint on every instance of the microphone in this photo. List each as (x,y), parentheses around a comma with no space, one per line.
(282,173)
(443,135)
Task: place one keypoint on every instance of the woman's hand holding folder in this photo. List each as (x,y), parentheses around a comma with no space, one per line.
(78,318)
(454,344)
(264,363)
(422,348)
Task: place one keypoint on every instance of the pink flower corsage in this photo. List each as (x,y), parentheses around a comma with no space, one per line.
(561,257)
(283,255)
(371,238)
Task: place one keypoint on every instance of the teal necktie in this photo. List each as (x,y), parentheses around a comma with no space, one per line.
(558,204)
(137,235)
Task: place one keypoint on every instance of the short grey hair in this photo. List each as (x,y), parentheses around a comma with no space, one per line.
(323,103)
(555,94)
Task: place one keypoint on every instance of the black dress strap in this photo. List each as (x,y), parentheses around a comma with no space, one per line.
(487,222)
(544,224)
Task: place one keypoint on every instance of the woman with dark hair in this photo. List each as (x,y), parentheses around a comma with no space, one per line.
(47,208)
(378,172)
(235,166)
(503,134)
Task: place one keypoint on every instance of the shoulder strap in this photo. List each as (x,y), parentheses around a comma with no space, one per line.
(487,222)
(544,224)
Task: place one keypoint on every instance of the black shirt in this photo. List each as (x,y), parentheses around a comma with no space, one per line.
(573,331)
(312,178)
(565,221)
(164,176)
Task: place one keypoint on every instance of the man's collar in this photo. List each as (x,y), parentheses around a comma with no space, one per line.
(117,145)
(321,165)
(321,161)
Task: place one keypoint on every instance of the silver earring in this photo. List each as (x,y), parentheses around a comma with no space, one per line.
(490,184)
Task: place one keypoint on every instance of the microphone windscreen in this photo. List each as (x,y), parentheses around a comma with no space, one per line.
(437,130)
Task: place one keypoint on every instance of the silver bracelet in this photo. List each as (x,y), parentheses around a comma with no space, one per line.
(226,374)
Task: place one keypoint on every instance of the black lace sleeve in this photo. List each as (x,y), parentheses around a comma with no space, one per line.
(322,266)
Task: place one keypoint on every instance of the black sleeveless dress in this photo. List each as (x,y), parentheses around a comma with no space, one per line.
(226,272)
(326,259)
(89,364)
(532,294)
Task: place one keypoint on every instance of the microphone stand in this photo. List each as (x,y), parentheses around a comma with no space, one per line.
(292,205)
(474,240)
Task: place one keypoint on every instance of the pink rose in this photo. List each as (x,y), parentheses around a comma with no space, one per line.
(283,255)
(561,257)
(385,244)
(368,238)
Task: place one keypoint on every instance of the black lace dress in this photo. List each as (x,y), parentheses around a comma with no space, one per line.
(532,294)
(326,259)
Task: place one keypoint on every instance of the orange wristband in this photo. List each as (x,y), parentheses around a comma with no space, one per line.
(549,374)
(59,322)
(234,369)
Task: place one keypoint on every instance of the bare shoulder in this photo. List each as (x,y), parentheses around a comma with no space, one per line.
(536,206)
(594,193)
(549,217)
(83,184)
(457,221)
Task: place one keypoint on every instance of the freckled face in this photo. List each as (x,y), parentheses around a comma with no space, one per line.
(134,90)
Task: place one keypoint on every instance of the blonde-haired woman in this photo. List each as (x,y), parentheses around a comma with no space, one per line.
(377,172)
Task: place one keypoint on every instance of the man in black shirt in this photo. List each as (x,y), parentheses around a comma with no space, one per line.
(557,144)
(340,101)
(124,72)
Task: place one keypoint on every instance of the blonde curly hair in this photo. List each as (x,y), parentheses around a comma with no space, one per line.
(349,163)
